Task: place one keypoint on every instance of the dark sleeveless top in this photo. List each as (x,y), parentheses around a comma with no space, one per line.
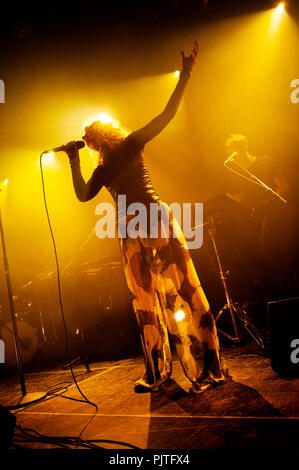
(124,171)
(127,173)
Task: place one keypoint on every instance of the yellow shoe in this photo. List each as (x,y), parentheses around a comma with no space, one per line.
(141,386)
(206,384)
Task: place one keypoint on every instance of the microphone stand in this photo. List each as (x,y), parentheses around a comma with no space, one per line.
(26,398)
(254,179)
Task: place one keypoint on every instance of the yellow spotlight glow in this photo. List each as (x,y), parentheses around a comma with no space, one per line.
(107,119)
(176,73)
(276,17)
(3,184)
(179,315)
(49,156)
(49,160)
(104,118)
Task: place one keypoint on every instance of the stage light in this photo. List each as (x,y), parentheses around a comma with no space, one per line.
(176,73)
(2,186)
(49,156)
(49,160)
(179,315)
(106,119)
(277,15)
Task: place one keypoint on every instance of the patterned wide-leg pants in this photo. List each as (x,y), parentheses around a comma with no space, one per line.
(167,298)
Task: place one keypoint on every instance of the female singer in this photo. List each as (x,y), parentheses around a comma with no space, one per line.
(166,293)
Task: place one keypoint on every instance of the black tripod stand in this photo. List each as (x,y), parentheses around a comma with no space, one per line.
(234,310)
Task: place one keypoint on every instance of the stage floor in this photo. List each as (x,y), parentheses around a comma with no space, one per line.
(255,409)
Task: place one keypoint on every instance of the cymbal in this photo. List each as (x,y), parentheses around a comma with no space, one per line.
(112,264)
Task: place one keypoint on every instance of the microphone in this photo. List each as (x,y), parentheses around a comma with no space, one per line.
(231,158)
(63,148)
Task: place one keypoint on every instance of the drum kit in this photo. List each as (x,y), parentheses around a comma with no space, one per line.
(37,313)
(30,320)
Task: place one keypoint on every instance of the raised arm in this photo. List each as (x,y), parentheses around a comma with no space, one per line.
(155,126)
(85,190)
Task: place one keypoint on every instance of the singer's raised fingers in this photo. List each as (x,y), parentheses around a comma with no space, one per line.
(194,55)
(194,50)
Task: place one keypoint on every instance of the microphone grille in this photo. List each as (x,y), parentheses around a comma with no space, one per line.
(80,144)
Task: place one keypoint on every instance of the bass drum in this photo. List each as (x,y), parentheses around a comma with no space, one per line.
(28,342)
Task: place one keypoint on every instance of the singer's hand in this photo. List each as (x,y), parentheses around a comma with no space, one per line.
(72,150)
(189,61)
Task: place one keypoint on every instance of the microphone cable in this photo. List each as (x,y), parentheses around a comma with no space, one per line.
(59,289)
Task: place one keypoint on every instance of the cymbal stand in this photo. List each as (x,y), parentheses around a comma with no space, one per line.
(234,309)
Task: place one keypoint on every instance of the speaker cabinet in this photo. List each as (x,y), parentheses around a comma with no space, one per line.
(283,316)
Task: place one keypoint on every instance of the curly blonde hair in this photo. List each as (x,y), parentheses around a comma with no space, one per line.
(102,137)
